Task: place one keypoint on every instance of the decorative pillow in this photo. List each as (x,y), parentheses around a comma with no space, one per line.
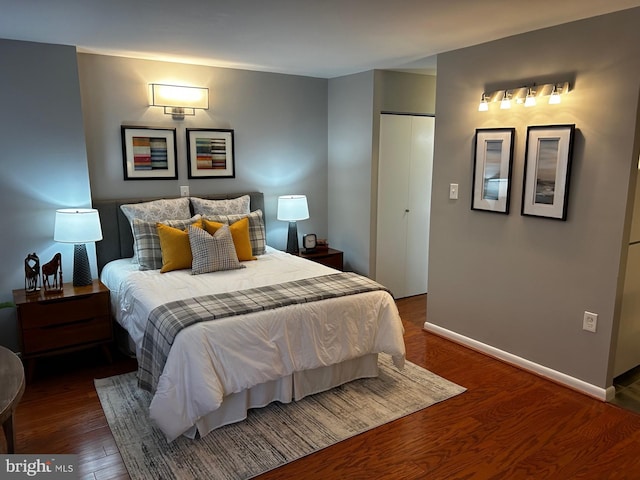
(212,253)
(231,206)
(147,242)
(257,234)
(175,246)
(240,235)
(156,211)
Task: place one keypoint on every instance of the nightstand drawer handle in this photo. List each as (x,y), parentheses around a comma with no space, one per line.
(77,298)
(66,324)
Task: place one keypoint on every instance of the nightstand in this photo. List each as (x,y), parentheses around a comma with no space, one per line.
(55,323)
(329,257)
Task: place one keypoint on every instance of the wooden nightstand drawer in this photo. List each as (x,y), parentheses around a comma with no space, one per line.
(64,335)
(330,257)
(54,323)
(54,311)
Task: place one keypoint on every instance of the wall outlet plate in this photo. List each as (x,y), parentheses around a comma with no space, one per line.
(184,191)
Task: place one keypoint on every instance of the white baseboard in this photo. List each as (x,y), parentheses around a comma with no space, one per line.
(604,394)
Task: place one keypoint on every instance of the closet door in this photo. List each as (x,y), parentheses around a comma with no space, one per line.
(420,172)
(404,195)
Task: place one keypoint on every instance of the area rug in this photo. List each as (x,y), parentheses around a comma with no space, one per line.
(271,436)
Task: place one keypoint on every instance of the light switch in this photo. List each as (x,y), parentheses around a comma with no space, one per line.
(453,191)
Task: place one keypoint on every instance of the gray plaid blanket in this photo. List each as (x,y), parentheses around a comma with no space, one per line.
(166,321)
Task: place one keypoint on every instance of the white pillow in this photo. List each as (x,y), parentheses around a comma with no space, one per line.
(156,211)
(212,253)
(233,206)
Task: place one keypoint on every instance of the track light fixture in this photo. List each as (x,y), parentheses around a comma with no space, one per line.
(530,95)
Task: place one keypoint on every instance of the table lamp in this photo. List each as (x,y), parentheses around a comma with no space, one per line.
(292,208)
(78,226)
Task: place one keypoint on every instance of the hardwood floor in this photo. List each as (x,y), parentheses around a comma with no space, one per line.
(509,424)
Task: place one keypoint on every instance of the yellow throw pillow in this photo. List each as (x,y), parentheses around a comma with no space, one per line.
(211,227)
(176,250)
(239,233)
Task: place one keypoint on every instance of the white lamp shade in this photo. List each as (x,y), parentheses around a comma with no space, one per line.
(178,96)
(77,225)
(292,208)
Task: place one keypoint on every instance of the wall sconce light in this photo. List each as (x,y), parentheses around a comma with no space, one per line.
(530,101)
(528,94)
(505,103)
(554,99)
(484,106)
(178,100)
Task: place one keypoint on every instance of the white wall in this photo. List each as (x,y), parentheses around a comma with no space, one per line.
(279,123)
(43,161)
(521,284)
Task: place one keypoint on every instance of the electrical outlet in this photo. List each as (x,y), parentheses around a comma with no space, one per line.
(590,322)
(184,191)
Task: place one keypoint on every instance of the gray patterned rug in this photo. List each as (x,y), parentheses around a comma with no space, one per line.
(270,436)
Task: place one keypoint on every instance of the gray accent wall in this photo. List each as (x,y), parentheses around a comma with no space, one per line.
(279,123)
(350,151)
(410,93)
(521,284)
(355,104)
(43,160)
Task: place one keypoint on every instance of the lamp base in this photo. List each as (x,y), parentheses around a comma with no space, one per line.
(81,267)
(292,239)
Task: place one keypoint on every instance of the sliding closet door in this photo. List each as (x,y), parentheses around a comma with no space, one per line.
(404,196)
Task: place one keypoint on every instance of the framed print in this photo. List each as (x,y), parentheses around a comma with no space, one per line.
(547,170)
(210,153)
(149,153)
(492,169)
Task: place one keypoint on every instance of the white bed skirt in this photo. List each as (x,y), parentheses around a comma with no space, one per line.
(292,387)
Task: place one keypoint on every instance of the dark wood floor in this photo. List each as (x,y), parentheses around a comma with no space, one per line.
(508,425)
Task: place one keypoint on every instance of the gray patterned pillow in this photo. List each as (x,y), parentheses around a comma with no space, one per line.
(212,253)
(231,206)
(147,242)
(257,233)
(155,211)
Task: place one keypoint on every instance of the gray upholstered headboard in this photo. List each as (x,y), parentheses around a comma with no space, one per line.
(117,239)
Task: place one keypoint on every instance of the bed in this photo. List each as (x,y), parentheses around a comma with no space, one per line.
(297,327)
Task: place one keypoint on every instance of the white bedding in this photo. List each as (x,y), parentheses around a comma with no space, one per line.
(211,360)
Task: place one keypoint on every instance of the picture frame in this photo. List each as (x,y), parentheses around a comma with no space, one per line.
(211,153)
(492,167)
(547,171)
(149,153)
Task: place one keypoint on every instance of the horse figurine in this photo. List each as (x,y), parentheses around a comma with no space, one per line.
(52,274)
(31,273)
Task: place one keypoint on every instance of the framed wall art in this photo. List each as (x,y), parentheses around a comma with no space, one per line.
(547,171)
(210,153)
(149,153)
(492,169)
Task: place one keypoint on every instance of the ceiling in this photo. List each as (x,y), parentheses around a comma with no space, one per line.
(318,38)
